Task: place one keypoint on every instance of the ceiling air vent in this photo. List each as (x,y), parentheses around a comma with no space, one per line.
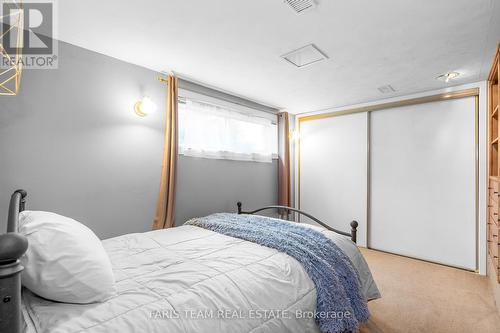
(387,89)
(304,56)
(300,6)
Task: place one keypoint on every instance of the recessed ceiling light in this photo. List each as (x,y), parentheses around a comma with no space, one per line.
(448,76)
(304,56)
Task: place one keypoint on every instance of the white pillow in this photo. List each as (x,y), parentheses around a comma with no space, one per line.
(65,261)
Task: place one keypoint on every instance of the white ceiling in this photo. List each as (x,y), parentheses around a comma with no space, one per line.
(236,45)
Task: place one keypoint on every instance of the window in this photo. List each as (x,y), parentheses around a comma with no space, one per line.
(221,131)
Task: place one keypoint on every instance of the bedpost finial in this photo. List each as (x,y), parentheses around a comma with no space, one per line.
(354,225)
(239,207)
(12,246)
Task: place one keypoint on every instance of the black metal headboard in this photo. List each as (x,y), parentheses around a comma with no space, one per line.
(354,224)
(17,205)
(12,247)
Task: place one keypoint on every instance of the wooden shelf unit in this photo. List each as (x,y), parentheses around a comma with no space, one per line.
(493,166)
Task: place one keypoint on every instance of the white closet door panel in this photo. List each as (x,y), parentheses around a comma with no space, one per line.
(333,171)
(423,186)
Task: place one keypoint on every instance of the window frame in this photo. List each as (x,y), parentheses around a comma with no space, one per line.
(184,94)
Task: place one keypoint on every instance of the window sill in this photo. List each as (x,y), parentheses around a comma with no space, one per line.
(273,158)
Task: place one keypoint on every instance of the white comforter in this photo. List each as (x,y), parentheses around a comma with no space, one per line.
(189,279)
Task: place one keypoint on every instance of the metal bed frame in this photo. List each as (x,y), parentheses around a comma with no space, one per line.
(13,246)
(353,224)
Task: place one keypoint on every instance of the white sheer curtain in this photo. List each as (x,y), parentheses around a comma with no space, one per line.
(214,131)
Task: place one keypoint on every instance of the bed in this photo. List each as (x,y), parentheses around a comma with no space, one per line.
(185,279)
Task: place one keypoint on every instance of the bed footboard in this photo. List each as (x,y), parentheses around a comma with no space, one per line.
(353,224)
(12,247)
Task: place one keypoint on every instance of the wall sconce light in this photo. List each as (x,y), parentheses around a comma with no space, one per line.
(144,106)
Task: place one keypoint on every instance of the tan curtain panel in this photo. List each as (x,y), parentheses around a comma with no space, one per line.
(165,209)
(284,192)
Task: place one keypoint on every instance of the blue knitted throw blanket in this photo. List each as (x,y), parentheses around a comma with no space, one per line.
(340,305)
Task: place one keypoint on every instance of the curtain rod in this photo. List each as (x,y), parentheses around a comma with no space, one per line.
(215,93)
(162,79)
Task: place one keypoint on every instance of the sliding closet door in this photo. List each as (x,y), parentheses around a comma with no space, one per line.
(423,182)
(333,171)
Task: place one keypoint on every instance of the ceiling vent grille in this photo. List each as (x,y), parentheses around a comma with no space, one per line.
(300,6)
(387,89)
(305,56)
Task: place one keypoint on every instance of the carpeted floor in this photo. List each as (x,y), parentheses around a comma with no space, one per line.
(422,297)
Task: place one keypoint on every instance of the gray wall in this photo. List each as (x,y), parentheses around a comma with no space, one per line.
(71,139)
(208,186)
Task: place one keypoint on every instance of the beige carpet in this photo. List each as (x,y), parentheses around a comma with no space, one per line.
(422,297)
